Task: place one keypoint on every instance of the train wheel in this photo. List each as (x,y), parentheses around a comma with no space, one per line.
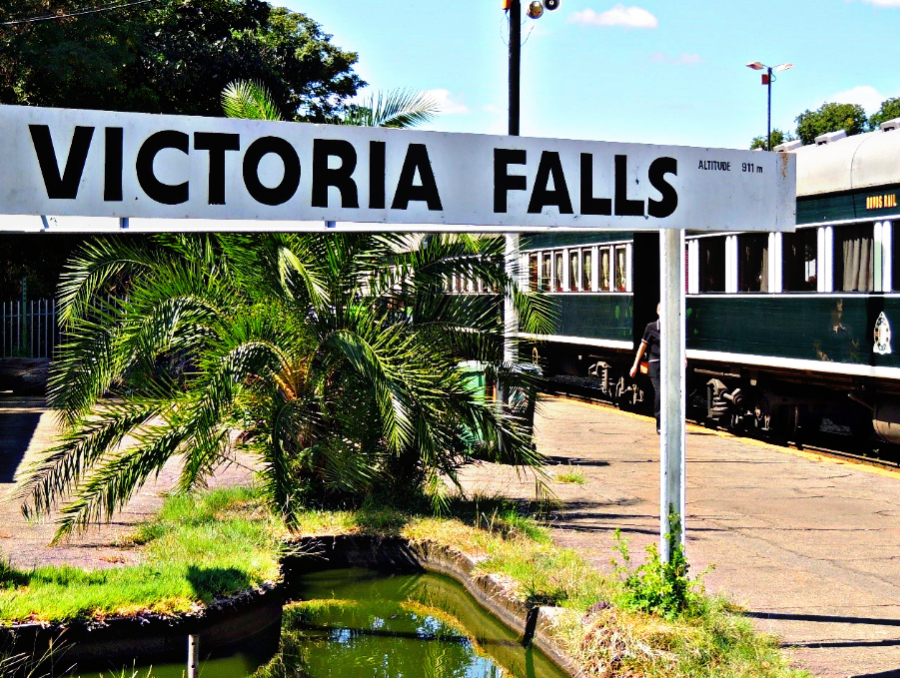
(619,397)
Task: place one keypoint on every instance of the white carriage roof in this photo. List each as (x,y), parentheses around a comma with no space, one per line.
(860,161)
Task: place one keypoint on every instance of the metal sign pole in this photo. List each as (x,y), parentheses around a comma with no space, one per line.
(672,381)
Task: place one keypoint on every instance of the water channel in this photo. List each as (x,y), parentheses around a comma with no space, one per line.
(359,622)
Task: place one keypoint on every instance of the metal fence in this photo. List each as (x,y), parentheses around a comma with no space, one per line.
(28,329)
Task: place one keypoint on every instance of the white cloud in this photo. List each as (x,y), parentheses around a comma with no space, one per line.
(620,15)
(883,3)
(867,97)
(684,59)
(446,103)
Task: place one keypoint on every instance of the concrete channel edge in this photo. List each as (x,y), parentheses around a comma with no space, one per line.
(155,638)
(532,623)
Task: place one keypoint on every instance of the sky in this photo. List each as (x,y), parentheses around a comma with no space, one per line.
(648,71)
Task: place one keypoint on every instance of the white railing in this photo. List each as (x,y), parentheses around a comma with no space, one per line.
(28,329)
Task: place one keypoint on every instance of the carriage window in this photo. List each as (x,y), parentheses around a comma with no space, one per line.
(545,272)
(753,262)
(604,269)
(621,270)
(558,270)
(532,272)
(574,278)
(800,253)
(587,268)
(854,259)
(712,264)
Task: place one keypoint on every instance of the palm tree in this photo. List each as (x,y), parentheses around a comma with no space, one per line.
(333,359)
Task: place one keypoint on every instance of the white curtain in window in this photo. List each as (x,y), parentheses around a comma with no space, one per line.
(859,264)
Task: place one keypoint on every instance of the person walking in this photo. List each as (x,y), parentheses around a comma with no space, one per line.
(650,345)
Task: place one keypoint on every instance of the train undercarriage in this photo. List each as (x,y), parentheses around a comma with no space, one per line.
(785,406)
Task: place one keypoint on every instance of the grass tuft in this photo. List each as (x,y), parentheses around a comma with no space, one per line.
(572,476)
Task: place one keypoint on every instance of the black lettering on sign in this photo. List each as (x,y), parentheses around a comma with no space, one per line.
(61,185)
(417,160)
(377,174)
(217,144)
(624,206)
(340,177)
(112,172)
(289,183)
(166,194)
(590,204)
(541,195)
(503,181)
(659,168)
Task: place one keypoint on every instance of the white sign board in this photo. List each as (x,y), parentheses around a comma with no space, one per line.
(125,165)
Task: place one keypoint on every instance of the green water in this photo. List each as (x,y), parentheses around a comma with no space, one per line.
(240,665)
(361,623)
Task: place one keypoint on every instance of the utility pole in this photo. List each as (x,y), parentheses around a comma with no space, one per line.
(510,320)
(515,65)
(767,79)
(769,118)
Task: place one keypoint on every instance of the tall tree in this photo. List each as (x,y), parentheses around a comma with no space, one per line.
(831,117)
(890,109)
(171,56)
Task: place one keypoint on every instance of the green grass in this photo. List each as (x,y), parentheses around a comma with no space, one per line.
(197,549)
(573,476)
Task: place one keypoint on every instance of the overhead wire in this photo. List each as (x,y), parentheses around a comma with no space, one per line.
(83,12)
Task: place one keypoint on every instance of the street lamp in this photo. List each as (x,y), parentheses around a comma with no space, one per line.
(514,12)
(535,10)
(767,79)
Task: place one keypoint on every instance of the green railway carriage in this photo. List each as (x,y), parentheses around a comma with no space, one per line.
(785,331)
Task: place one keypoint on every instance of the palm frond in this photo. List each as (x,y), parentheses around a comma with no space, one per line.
(111,486)
(62,467)
(249,100)
(377,365)
(396,108)
(89,274)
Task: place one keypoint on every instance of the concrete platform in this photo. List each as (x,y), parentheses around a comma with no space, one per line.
(27,429)
(810,548)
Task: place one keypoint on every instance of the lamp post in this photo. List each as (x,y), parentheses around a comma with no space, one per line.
(535,10)
(767,79)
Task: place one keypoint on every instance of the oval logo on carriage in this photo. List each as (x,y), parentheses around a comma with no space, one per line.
(882,335)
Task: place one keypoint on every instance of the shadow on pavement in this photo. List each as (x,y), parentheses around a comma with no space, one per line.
(575,461)
(895,673)
(624,529)
(875,621)
(16,431)
(845,643)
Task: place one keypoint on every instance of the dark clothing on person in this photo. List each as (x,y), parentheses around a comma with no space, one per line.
(651,338)
(654,379)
